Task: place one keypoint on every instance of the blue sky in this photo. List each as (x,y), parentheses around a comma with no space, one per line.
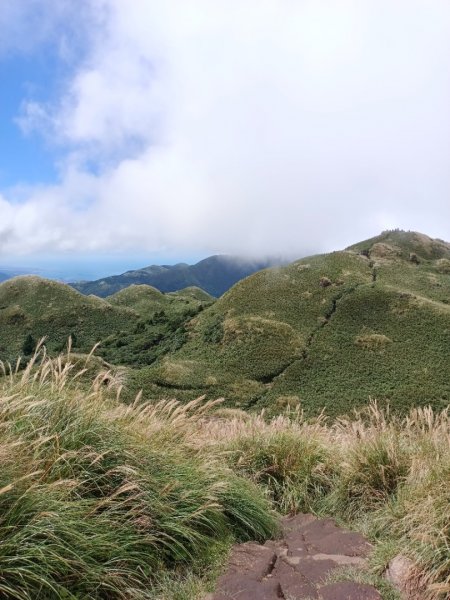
(26,159)
(133,133)
(36,73)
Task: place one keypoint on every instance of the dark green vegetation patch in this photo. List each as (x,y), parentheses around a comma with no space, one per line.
(133,327)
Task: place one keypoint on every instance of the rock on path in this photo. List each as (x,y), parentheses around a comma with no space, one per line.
(298,566)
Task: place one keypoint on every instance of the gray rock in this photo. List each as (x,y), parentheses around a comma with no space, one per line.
(399,573)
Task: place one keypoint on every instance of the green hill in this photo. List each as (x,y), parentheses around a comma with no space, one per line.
(329,331)
(30,305)
(100,499)
(326,332)
(147,300)
(134,327)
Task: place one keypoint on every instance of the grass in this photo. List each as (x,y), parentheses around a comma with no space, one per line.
(373,471)
(396,351)
(40,307)
(135,326)
(97,499)
(102,499)
(328,332)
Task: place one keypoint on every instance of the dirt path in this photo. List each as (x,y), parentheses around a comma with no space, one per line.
(298,566)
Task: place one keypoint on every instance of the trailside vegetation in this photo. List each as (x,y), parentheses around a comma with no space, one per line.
(100,499)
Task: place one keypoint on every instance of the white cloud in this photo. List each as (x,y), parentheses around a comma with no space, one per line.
(262,127)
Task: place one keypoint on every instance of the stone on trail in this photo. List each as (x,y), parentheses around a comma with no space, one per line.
(348,590)
(297,567)
(252,558)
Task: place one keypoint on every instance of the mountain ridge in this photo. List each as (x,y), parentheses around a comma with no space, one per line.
(214,274)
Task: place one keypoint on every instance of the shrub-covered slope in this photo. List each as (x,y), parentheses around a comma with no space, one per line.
(161,327)
(39,307)
(134,326)
(147,300)
(325,332)
(330,331)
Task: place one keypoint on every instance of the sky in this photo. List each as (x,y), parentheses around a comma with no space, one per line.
(148,131)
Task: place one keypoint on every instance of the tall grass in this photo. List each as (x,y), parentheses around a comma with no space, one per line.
(97,498)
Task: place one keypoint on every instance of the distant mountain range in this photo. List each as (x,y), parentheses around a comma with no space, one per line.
(215,275)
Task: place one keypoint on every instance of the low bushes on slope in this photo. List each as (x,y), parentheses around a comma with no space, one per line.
(380,343)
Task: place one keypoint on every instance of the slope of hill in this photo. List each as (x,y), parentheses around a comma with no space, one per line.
(105,501)
(329,331)
(147,300)
(215,275)
(134,327)
(161,325)
(30,305)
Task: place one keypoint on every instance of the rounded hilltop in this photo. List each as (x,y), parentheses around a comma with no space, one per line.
(195,292)
(146,299)
(399,244)
(32,307)
(38,293)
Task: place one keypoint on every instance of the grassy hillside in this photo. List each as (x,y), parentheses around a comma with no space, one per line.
(326,332)
(147,300)
(161,327)
(402,244)
(40,307)
(134,327)
(396,350)
(329,331)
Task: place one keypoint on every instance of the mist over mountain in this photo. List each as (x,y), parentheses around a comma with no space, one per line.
(215,274)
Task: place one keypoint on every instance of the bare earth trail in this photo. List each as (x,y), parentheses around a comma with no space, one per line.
(298,566)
